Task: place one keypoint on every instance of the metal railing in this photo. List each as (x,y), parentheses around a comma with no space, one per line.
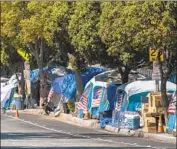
(145,71)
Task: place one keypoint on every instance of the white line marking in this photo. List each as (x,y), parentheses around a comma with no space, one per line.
(60,131)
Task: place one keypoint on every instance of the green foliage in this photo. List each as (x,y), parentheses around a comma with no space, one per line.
(83,31)
(118,33)
(119,28)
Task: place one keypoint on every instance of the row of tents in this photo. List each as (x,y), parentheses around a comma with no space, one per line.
(118,99)
(103,91)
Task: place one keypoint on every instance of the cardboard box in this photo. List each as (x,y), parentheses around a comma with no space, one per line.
(149,122)
(147,115)
(155,101)
(144,111)
(156,110)
(145,106)
(149,129)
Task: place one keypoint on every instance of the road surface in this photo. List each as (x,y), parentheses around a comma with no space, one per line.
(37,132)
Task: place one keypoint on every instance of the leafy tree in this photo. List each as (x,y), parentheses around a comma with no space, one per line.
(159,31)
(85,39)
(33,28)
(83,30)
(119,29)
(9,29)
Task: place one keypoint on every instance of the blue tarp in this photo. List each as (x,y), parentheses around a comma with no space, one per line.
(8,102)
(171,121)
(34,74)
(67,85)
(173,78)
(104,121)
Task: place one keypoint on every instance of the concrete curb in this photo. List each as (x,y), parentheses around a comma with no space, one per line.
(91,123)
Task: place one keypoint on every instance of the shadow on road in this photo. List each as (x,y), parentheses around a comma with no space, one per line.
(54,135)
(18,147)
(26,136)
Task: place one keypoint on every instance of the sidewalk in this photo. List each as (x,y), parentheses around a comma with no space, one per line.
(91,123)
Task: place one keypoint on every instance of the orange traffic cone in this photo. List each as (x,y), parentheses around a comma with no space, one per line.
(160,126)
(87,116)
(16,114)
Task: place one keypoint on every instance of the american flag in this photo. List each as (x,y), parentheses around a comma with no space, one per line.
(83,103)
(119,103)
(97,97)
(51,92)
(172,106)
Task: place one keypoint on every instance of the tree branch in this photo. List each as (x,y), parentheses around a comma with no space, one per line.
(32,50)
(50,62)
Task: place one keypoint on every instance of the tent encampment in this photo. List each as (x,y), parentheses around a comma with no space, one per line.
(128,97)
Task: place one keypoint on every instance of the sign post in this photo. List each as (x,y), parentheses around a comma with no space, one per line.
(156,74)
(27,76)
(153,57)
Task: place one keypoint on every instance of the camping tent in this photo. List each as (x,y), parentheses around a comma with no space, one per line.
(66,85)
(8,90)
(128,97)
(99,93)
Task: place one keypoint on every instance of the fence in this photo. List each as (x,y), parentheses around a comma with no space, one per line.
(145,71)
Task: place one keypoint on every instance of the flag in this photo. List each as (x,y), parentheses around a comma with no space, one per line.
(97,97)
(82,103)
(119,103)
(51,92)
(172,105)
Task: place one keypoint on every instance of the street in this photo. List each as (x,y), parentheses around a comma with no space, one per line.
(36,132)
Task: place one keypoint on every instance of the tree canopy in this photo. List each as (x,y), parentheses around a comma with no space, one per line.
(118,33)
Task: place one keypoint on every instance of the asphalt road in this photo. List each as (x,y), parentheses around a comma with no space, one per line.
(36,132)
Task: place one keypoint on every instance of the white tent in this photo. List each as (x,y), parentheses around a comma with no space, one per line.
(6,90)
(133,91)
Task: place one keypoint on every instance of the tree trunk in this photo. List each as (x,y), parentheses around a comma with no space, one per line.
(165,101)
(79,85)
(43,87)
(23,86)
(124,74)
(125,77)
(37,49)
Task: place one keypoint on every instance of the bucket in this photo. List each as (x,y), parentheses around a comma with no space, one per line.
(18,104)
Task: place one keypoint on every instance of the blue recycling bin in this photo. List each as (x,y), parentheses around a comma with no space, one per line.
(19,103)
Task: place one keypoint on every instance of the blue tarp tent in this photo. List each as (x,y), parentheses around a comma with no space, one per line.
(66,85)
(129,97)
(52,73)
(99,94)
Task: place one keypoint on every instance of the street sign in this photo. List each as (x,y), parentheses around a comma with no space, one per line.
(156,71)
(24,55)
(153,55)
